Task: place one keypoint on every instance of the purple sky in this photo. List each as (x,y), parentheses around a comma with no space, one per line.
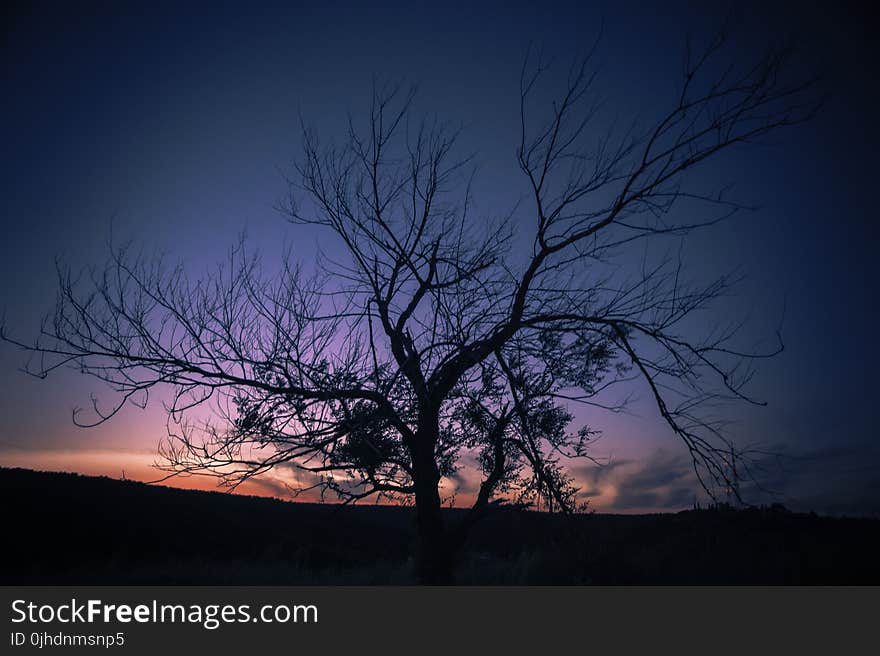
(175,128)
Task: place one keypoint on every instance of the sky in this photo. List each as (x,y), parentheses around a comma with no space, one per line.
(175,128)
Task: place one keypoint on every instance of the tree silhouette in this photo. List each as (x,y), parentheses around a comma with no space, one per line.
(432,338)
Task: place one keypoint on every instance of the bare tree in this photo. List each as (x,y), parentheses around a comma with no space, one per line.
(431,335)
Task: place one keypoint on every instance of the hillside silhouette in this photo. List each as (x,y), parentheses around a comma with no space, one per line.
(73,529)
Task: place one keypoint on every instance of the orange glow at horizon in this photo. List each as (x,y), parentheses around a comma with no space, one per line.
(119,464)
(139,465)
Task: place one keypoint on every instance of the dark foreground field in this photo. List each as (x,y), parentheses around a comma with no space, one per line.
(70,529)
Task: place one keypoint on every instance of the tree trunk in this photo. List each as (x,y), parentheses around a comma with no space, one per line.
(434,552)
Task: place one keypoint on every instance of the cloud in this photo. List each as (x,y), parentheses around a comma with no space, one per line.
(273,487)
(665,482)
(836,479)
(839,479)
(590,493)
(465,481)
(596,474)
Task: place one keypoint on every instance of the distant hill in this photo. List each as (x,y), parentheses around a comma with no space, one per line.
(72,529)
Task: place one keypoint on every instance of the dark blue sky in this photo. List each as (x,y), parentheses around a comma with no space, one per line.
(176,127)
